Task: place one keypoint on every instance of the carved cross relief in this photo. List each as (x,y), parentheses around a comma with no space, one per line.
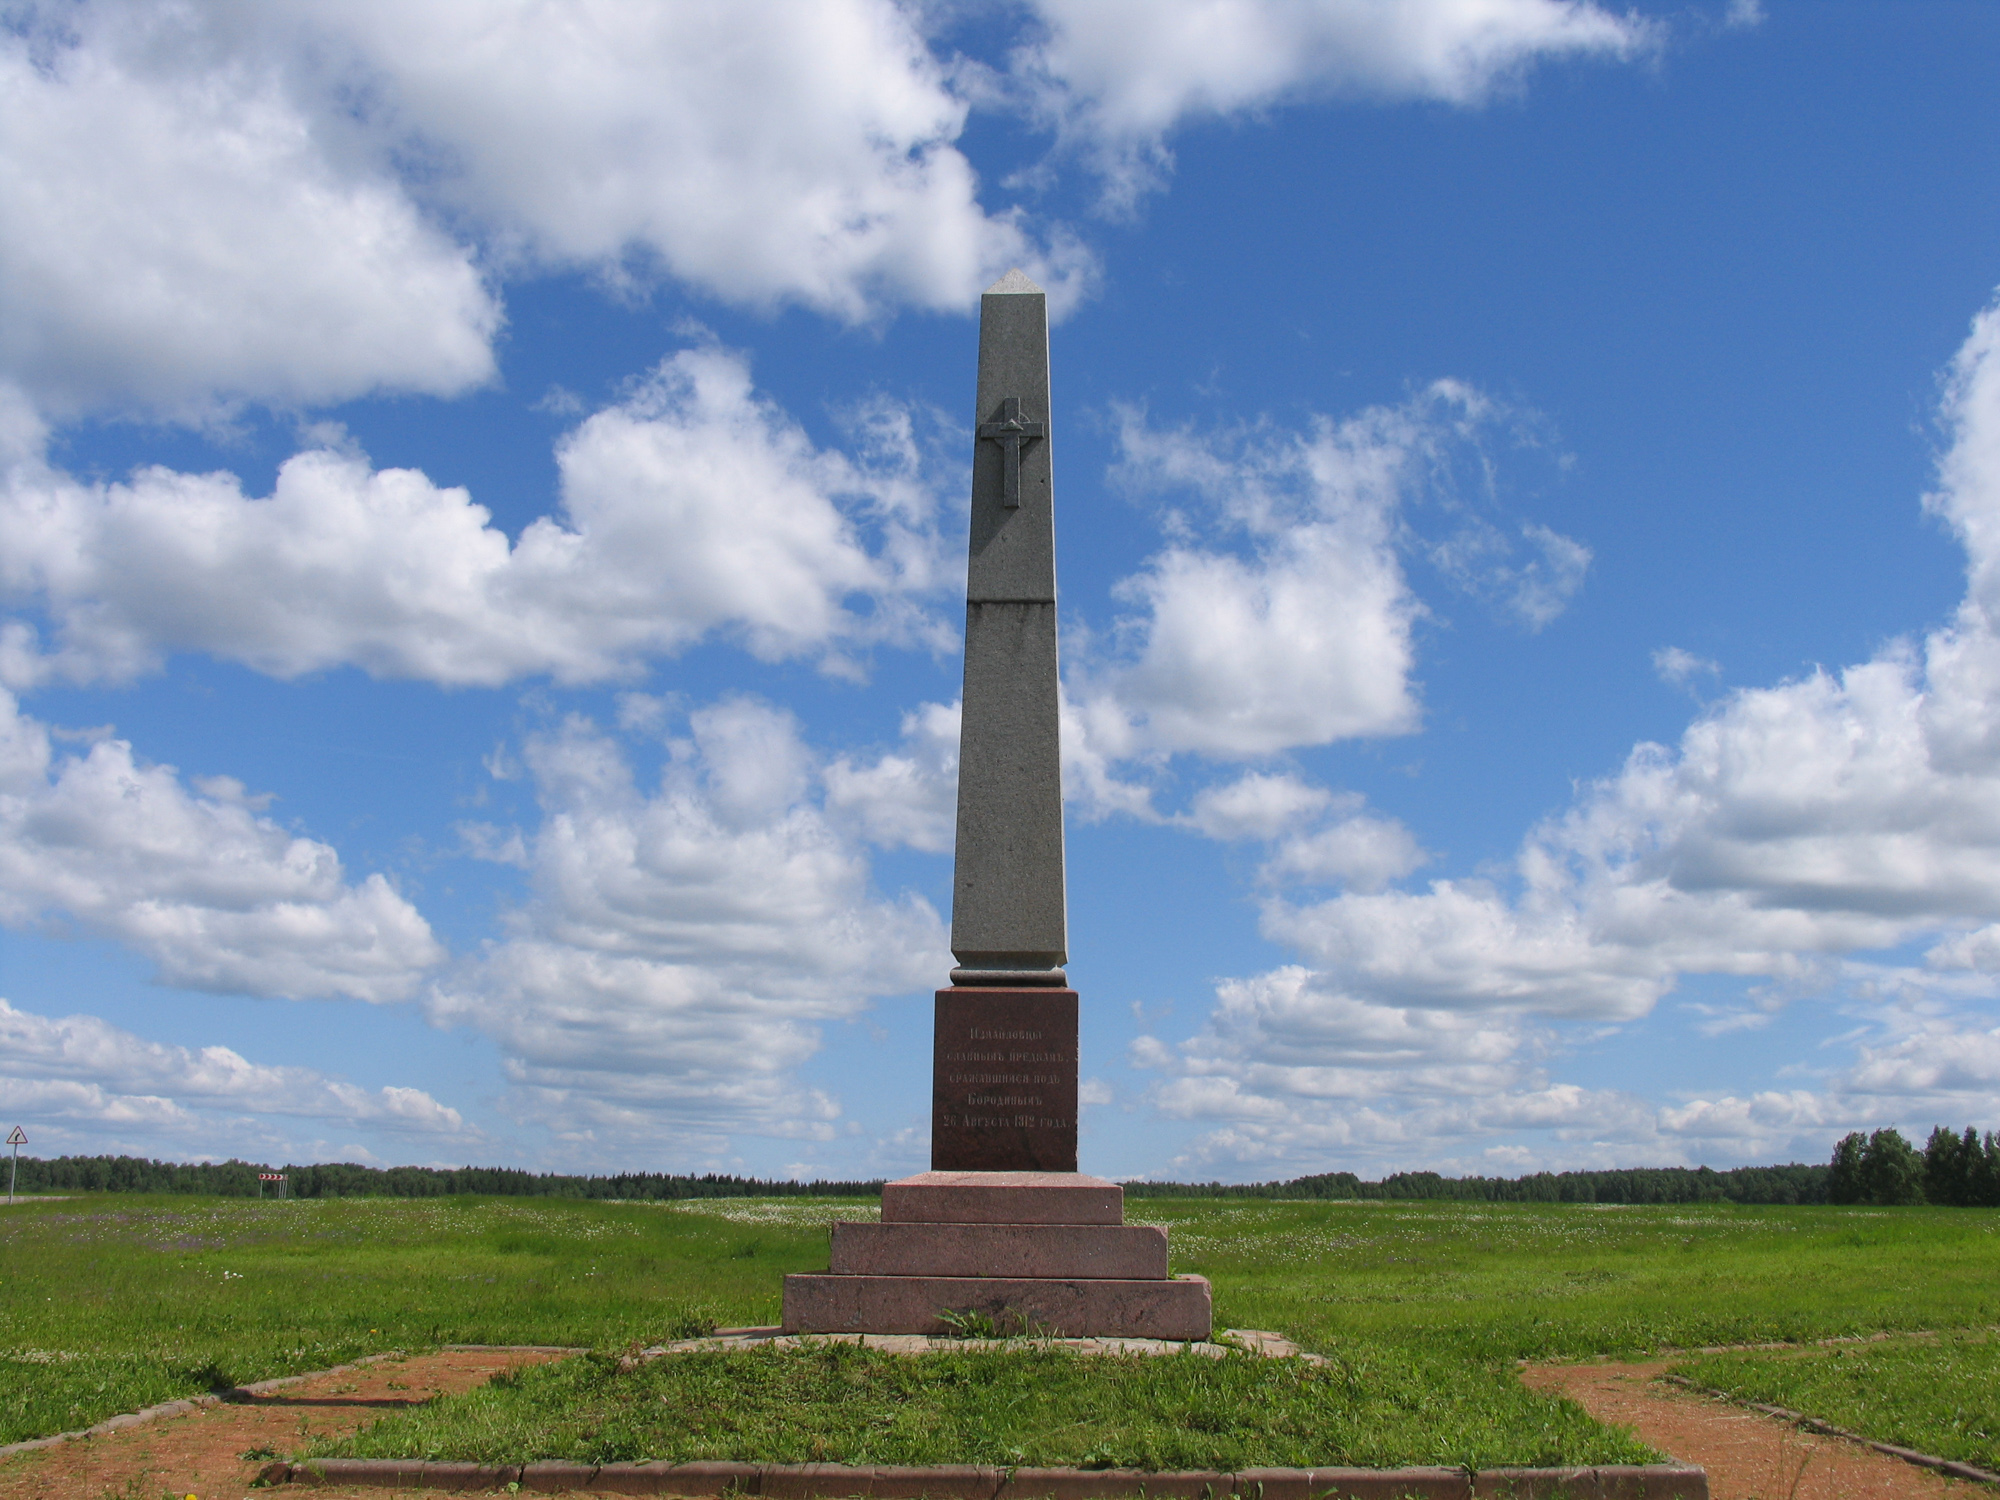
(1011,432)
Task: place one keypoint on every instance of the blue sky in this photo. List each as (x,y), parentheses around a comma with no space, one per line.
(483,554)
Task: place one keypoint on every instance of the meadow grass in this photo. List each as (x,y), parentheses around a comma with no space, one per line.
(110,1302)
(1569,1281)
(1939,1396)
(835,1403)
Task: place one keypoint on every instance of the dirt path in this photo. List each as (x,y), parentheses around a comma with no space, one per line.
(201,1453)
(1748,1456)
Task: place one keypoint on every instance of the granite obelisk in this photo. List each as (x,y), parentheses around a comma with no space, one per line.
(1004,1061)
(1008,920)
(1003,1224)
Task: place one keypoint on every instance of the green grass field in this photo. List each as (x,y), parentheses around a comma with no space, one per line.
(109,1303)
(835,1403)
(1939,1396)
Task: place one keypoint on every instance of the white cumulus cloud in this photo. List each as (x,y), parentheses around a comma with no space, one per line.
(1288,625)
(1279,615)
(214,893)
(216,202)
(179,236)
(764,152)
(1792,832)
(692,507)
(1257,805)
(88,1081)
(684,943)
(1119,75)
(1317,838)
(1360,850)
(907,796)
(1679,668)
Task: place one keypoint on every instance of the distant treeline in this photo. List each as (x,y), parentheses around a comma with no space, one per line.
(340,1179)
(1957,1170)
(238,1179)
(1880,1168)
(1795,1183)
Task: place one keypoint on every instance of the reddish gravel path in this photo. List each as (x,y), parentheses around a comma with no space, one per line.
(201,1453)
(1748,1456)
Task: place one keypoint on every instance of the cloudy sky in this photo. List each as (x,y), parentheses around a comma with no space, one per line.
(482,497)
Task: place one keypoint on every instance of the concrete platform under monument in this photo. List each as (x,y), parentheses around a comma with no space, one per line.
(1028,1251)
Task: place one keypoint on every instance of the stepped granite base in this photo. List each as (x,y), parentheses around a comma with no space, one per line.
(1028,1251)
(1067,1308)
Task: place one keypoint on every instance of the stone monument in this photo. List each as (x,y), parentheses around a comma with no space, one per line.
(1003,1226)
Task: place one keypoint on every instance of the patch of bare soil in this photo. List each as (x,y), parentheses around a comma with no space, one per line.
(203,1452)
(1748,1455)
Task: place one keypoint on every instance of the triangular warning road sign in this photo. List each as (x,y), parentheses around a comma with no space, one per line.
(17,1137)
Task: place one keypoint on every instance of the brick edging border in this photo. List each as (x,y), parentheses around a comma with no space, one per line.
(187,1404)
(968,1482)
(1949,1466)
(240,1393)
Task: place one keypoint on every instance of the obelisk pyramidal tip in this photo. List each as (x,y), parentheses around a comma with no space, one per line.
(1008,913)
(1013,283)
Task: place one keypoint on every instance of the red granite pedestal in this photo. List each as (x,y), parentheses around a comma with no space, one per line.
(1003,1225)
(1030,1251)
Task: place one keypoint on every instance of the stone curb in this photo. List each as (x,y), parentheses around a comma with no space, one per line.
(191,1403)
(1225,1343)
(1949,1466)
(698,1481)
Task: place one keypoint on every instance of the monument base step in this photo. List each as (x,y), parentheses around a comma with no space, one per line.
(1003,1198)
(1097,1252)
(1063,1307)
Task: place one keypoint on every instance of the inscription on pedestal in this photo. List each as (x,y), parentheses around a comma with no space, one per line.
(1003,1081)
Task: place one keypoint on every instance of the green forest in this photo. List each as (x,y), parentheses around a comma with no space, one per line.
(1954,1169)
